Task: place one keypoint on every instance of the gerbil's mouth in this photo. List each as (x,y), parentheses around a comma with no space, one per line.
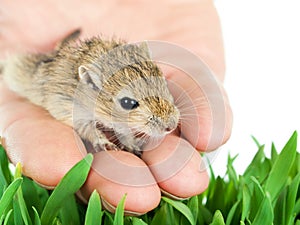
(108,132)
(145,135)
(113,137)
(142,137)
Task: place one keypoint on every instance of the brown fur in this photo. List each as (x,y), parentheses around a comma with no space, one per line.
(52,81)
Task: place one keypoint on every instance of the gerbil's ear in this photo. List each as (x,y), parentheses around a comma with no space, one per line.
(89,77)
(70,37)
(145,49)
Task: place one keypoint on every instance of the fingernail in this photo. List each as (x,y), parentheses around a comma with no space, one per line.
(109,207)
(169,195)
(81,197)
(45,186)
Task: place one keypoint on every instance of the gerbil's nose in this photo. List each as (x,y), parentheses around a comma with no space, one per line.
(170,126)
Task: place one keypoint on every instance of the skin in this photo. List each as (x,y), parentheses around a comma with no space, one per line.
(30,135)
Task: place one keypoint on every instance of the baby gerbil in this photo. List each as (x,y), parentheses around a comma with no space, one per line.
(96,83)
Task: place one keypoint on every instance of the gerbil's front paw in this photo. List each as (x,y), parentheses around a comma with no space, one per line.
(135,150)
(105,145)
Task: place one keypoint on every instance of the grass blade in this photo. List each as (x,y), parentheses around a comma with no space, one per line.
(253,169)
(215,198)
(17,219)
(137,221)
(232,175)
(70,183)
(259,168)
(34,195)
(204,215)
(23,207)
(108,218)
(295,168)
(8,194)
(182,208)
(298,162)
(291,199)
(280,170)
(68,213)
(256,141)
(280,208)
(20,199)
(162,216)
(119,215)
(265,212)
(2,219)
(173,215)
(93,212)
(246,202)
(193,205)
(36,220)
(230,197)
(257,197)
(7,217)
(218,218)
(231,214)
(297,207)
(5,174)
(274,153)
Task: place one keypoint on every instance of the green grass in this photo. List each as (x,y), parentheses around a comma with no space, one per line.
(267,193)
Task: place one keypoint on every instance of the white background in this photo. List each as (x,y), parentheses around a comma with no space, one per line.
(262,44)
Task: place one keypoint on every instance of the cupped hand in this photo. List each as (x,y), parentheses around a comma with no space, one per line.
(47,148)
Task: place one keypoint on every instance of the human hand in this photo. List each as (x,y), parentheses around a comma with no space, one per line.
(47,148)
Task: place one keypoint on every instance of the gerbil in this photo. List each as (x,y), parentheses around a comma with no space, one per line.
(96,83)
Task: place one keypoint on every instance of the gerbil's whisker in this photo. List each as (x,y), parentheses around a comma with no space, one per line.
(192,109)
(185,94)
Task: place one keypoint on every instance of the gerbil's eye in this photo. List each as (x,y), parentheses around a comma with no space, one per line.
(128,103)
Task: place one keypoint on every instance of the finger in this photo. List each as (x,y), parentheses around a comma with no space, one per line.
(176,167)
(9,102)
(116,173)
(47,149)
(206,116)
